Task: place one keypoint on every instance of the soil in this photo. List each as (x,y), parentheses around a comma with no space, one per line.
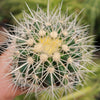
(3,38)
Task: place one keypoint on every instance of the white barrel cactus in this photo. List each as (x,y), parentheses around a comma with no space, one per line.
(50,52)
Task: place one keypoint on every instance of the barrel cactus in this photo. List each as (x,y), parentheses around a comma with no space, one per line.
(50,52)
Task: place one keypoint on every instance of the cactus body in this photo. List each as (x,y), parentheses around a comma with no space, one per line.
(50,52)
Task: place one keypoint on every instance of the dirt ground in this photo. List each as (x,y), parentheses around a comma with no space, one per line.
(2,36)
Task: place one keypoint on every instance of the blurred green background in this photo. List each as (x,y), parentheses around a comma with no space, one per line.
(90,16)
